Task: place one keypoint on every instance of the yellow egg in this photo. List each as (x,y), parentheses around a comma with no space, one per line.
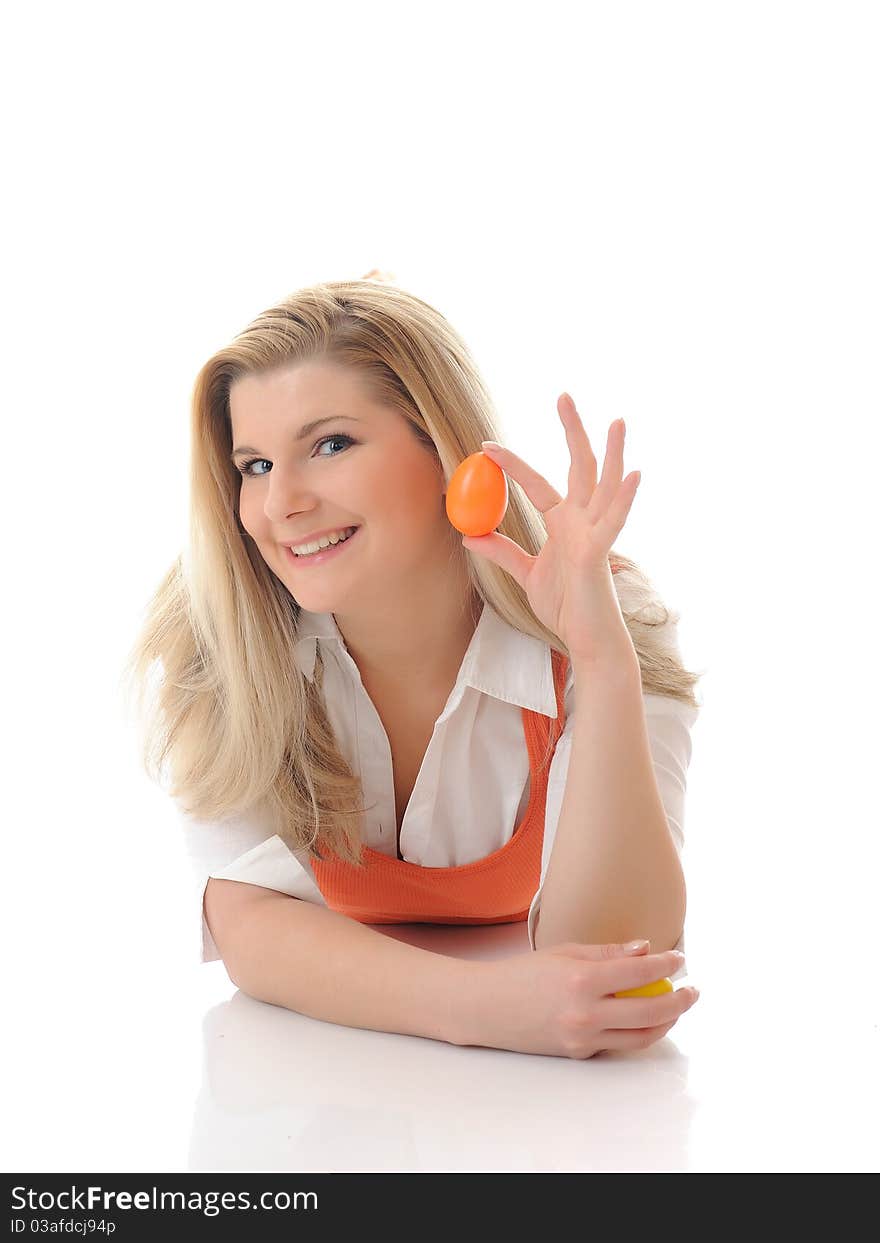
(648,990)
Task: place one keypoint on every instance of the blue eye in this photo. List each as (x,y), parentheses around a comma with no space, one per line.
(244,468)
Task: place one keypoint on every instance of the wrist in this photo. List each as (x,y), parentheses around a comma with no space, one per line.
(620,668)
(468,1015)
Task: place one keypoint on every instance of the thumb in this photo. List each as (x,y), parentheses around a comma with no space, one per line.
(503,552)
(599,953)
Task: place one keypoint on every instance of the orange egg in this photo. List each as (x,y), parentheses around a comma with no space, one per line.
(476,497)
(654,989)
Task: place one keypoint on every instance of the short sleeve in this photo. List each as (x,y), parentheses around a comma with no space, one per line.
(242,848)
(669,724)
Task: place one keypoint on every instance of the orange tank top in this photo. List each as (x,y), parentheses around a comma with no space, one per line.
(497,889)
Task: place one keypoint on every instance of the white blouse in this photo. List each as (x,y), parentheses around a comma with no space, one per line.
(473,787)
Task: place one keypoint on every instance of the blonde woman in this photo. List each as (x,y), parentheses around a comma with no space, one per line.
(367,719)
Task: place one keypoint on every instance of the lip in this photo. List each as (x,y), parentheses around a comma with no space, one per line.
(313,535)
(318,558)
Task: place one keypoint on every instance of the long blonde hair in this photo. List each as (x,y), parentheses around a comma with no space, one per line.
(238,726)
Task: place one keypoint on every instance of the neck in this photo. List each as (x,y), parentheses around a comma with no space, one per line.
(421,643)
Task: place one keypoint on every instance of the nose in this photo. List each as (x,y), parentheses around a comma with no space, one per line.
(284,496)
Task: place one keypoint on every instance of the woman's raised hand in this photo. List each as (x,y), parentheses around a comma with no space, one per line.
(568,583)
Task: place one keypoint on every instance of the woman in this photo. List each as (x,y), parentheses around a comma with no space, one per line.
(331,635)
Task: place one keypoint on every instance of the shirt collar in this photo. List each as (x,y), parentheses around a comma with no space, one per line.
(500,660)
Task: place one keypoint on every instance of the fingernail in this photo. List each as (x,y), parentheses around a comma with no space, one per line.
(491,444)
(632,946)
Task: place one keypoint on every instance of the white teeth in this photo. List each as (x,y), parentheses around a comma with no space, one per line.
(302,550)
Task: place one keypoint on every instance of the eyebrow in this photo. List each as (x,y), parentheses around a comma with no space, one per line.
(304,431)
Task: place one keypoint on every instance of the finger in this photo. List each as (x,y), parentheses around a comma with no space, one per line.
(614,518)
(541,493)
(620,1012)
(612,470)
(599,952)
(614,1039)
(582,472)
(502,551)
(623,973)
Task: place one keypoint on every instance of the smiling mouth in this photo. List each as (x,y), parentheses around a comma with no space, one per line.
(322,553)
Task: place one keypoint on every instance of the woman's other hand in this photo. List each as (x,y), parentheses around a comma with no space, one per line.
(560,1001)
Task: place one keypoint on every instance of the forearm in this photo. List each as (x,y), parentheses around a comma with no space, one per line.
(614,873)
(309,958)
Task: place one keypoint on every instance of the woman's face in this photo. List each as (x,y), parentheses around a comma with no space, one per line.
(362,467)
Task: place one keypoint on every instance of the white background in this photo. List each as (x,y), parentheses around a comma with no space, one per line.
(667,209)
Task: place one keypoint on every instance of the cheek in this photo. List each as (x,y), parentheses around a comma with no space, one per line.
(414,517)
(413,495)
(252,517)
(244,515)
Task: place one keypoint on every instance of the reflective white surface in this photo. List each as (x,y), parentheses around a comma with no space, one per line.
(125,1057)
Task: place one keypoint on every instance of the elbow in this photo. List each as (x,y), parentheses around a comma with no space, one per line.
(663,923)
(665,928)
(232,971)
(669,928)
(655,913)
(664,943)
(661,929)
